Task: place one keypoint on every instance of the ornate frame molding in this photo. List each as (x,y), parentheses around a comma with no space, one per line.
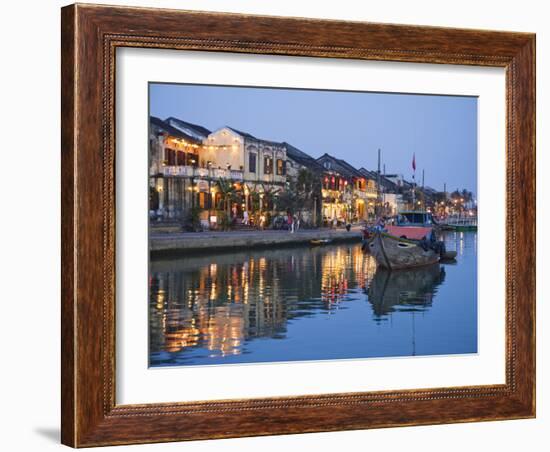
(90,37)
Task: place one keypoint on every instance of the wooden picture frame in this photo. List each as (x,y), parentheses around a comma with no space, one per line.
(90,36)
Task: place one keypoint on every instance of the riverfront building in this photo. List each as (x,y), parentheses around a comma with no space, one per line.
(348,194)
(173,159)
(231,177)
(254,165)
(304,175)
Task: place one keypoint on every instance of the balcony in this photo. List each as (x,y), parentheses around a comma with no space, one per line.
(368,192)
(213,173)
(178,171)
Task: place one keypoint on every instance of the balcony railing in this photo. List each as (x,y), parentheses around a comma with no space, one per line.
(218,173)
(368,192)
(178,171)
(190,171)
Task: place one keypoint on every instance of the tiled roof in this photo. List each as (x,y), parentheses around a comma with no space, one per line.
(385,183)
(341,166)
(199,130)
(252,137)
(302,158)
(368,174)
(171,130)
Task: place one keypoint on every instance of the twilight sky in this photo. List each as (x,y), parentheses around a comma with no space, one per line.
(440,130)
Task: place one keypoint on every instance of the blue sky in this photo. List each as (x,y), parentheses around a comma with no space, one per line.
(440,130)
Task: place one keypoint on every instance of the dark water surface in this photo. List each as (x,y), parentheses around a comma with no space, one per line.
(310,303)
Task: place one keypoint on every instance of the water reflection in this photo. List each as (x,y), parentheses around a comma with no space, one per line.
(404,290)
(291,304)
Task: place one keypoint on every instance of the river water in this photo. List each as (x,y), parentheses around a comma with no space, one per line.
(310,303)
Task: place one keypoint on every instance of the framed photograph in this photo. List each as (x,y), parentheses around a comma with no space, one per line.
(282,225)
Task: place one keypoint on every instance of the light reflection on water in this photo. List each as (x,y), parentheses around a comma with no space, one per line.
(309,303)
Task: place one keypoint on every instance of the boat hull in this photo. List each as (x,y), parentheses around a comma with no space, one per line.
(465,228)
(395,253)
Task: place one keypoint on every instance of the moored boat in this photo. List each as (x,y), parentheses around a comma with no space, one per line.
(409,242)
(393,249)
(318,242)
(461,223)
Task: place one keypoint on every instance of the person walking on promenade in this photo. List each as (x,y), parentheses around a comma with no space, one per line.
(290,221)
(245,217)
(297,223)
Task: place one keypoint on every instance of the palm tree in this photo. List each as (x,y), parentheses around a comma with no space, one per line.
(466,195)
(270,193)
(228,194)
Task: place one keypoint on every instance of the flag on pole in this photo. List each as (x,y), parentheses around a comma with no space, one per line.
(414,162)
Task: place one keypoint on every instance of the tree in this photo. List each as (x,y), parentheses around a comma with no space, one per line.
(288,200)
(270,195)
(228,193)
(308,185)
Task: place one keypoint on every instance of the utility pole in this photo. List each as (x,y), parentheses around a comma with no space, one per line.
(414,183)
(423,193)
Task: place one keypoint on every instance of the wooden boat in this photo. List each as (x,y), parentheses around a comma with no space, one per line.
(318,242)
(399,247)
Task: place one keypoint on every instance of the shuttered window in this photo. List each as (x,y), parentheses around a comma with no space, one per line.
(268,165)
(252,162)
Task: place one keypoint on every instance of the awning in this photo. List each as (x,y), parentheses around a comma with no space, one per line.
(410,232)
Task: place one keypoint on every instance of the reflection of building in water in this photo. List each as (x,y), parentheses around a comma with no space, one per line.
(411,289)
(342,268)
(217,303)
(210,306)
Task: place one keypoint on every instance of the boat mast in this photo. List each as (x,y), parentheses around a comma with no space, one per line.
(414,183)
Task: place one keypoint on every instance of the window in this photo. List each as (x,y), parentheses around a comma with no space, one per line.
(192,160)
(252,162)
(180,158)
(268,165)
(327,165)
(281,167)
(170,156)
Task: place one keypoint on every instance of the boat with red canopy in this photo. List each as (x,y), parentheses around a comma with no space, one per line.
(406,244)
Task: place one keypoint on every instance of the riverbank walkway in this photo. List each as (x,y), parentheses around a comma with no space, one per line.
(177,243)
